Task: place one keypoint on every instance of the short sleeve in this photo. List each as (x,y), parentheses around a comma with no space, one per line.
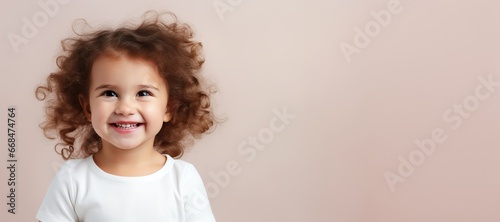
(196,205)
(57,205)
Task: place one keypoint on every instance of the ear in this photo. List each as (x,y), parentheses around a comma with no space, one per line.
(84,102)
(168,116)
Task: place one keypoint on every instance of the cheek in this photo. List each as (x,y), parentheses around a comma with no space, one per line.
(98,113)
(154,115)
(156,112)
(155,109)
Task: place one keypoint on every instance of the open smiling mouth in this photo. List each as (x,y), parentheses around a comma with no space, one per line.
(126,125)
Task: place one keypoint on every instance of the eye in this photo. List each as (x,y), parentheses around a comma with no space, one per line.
(143,93)
(109,93)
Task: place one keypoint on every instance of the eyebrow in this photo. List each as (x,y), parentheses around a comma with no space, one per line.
(104,86)
(148,87)
(107,86)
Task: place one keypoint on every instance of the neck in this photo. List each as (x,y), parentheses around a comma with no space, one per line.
(129,162)
(136,155)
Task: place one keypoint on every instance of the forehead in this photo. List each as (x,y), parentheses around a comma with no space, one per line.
(121,69)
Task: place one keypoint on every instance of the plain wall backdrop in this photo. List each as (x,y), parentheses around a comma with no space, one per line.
(347,111)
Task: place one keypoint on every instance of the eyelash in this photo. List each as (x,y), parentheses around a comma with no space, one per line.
(109,93)
(144,91)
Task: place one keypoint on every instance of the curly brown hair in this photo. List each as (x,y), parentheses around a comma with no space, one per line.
(178,58)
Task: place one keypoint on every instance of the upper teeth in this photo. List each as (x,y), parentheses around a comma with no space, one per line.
(126,126)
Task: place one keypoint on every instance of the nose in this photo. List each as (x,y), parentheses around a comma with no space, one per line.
(125,107)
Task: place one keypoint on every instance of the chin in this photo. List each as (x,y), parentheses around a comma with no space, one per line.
(126,146)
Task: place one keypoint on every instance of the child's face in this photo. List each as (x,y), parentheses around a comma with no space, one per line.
(127,102)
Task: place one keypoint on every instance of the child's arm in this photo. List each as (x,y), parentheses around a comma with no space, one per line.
(196,205)
(57,204)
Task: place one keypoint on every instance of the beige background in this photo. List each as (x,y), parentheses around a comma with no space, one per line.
(355,117)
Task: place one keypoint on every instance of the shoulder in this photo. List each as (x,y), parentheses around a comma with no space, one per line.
(192,190)
(180,166)
(73,167)
(184,171)
(75,164)
(65,182)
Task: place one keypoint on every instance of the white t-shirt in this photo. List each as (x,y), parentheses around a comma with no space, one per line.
(81,191)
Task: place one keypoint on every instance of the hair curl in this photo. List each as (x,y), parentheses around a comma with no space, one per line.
(168,45)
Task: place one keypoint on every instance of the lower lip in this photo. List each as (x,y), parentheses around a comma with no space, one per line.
(125,131)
